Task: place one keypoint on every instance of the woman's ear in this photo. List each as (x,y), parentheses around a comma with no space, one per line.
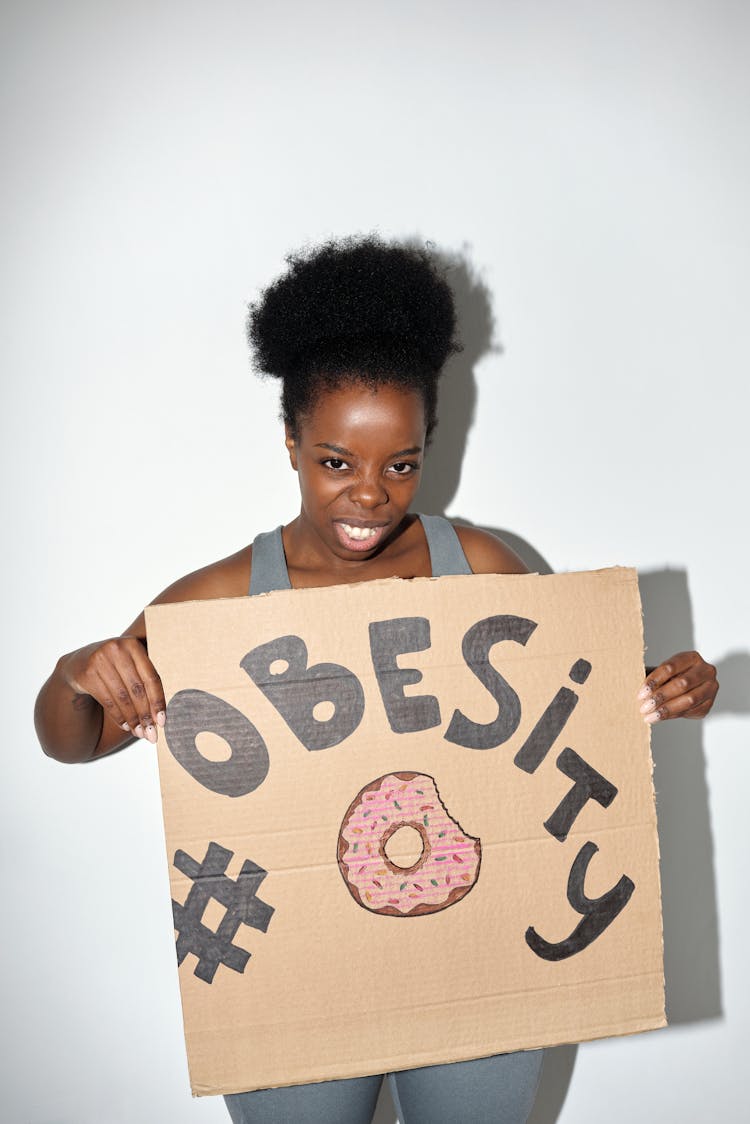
(291,445)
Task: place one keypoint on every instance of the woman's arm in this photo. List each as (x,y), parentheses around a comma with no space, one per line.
(102,696)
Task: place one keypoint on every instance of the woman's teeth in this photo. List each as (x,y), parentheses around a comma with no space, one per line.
(360,533)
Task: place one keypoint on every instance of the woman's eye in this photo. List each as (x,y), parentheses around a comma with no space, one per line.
(403,468)
(335,463)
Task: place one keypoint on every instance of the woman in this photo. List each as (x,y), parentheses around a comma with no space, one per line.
(358,332)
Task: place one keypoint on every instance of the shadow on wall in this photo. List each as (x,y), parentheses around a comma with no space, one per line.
(691,929)
(458,384)
(458,398)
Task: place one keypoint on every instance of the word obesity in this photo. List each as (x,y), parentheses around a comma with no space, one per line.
(323,704)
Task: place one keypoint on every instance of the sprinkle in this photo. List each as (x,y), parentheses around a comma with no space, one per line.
(354,848)
(368,895)
(425,821)
(369,848)
(427,807)
(402,887)
(393,901)
(413,895)
(366,813)
(419,790)
(417,886)
(381,872)
(466,877)
(440,858)
(447,879)
(388,795)
(441,834)
(357,830)
(371,796)
(433,881)
(374,825)
(396,805)
(456,859)
(361,869)
(378,884)
(384,818)
(458,839)
(403,786)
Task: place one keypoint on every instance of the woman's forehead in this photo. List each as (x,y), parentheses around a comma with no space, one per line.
(360,409)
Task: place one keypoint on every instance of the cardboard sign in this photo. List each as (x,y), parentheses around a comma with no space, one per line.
(407,822)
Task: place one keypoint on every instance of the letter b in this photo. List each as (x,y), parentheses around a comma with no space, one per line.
(297,689)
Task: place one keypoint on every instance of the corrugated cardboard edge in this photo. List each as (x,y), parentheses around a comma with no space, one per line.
(387,1065)
(654,804)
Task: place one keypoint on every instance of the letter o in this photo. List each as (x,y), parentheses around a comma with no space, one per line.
(193,712)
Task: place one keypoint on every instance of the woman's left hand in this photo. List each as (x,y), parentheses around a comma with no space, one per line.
(684,686)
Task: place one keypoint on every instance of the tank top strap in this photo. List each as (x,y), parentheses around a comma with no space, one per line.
(269,570)
(446,553)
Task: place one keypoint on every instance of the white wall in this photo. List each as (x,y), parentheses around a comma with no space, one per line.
(592,163)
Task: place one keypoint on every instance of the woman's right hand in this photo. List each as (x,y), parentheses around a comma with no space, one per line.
(119,675)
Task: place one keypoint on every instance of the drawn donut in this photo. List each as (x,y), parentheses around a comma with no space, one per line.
(444,872)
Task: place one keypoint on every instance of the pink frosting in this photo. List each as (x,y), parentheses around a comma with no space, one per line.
(449,863)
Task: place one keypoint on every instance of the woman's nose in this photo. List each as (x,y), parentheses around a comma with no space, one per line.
(369,492)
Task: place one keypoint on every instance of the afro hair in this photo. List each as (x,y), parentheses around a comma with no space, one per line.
(354,310)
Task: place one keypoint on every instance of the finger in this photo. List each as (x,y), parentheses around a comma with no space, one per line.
(676,707)
(154,689)
(702,708)
(698,711)
(109,690)
(665,671)
(115,665)
(678,685)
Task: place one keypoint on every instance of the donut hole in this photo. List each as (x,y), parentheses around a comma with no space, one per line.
(404,848)
(278,667)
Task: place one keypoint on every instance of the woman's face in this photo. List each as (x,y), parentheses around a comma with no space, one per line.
(358,455)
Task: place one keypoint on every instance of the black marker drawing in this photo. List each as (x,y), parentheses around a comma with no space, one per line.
(240,901)
(296,689)
(388,640)
(476,647)
(191,713)
(543,736)
(598,913)
(588,785)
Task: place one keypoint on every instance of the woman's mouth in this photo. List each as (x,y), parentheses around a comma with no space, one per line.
(355,536)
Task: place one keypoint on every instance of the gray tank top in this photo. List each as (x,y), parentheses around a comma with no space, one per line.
(269,569)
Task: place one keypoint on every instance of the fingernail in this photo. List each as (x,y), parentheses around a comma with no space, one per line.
(644,692)
(138,731)
(151,733)
(647,706)
(161,718)
(651,718)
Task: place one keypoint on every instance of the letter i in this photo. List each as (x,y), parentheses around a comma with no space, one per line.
(543,736)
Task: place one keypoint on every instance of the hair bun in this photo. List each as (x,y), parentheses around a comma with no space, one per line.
(356,304)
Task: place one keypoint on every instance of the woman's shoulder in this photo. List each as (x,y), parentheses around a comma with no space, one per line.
(229,577)
(487,554)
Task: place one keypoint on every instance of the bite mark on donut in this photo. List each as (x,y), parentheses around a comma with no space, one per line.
(444,872)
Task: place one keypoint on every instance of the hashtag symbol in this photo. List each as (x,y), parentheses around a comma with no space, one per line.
(241,904)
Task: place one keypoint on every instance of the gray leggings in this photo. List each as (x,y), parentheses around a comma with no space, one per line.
(496,1090)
